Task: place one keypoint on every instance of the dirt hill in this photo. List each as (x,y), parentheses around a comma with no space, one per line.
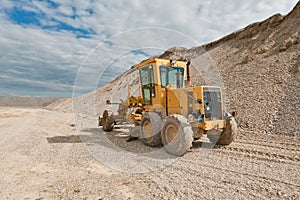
(27,101)
(259,65)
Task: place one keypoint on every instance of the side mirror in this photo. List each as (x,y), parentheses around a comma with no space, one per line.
(199,101)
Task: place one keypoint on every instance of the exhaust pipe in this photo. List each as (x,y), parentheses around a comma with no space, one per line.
(188,78)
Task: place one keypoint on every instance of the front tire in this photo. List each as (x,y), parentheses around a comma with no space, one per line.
(229,133)
(225,136)
(177,135)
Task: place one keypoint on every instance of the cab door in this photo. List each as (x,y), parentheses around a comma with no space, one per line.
(147,84)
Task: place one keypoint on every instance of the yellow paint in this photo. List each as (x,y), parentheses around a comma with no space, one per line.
(172,100)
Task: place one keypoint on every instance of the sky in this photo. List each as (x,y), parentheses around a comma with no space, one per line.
(50,47)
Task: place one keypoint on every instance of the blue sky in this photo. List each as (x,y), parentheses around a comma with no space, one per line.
(45,44)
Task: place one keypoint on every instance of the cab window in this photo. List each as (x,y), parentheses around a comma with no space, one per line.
(171,76)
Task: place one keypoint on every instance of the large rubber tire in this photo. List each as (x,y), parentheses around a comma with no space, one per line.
(151,125)
(108,121)
(177,135)
(227,135)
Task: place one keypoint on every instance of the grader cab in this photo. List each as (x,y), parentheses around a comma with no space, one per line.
(172,112)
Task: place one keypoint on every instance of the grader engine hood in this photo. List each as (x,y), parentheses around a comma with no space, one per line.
(202,106)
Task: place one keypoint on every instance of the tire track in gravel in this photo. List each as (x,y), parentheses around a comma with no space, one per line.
(271,139)
(288,156)
(284,169)
(283,146)
(221,170)
(287,144)
(264,153)
(257,157)
(192,173)
(205,180)
(260,156)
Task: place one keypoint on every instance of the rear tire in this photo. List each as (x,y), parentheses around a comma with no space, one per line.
(177,135)
(150,129)
(108,121)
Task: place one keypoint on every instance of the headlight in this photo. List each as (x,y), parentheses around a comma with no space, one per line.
(191,117)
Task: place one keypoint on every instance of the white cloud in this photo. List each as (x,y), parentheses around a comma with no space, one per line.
(66,10)
(33,51)
(5,4)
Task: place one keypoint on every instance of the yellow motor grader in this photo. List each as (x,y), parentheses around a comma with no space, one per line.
(172,112)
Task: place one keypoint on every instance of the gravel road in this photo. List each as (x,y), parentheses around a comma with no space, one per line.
(44,157)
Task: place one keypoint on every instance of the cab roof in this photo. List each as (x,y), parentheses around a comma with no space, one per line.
(157,60)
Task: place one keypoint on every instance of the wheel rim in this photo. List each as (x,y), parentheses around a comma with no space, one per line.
(170,133)
(147,129)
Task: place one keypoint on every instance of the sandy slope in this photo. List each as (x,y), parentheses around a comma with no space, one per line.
(42,157)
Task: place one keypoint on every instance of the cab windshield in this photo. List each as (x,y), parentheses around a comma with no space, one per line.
(171,76)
